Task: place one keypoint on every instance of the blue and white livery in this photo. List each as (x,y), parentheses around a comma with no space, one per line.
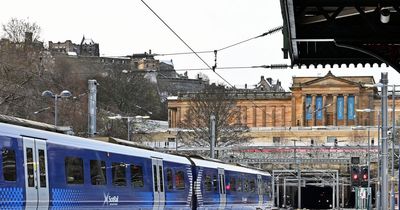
(46,170)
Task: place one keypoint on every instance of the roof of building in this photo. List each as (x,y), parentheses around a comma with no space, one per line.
(340,32)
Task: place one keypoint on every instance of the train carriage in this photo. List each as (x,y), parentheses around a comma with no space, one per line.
(42,170)
(224,186)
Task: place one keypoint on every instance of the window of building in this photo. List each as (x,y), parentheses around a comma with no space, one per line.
(9,165)
(215,183)
(207,183)
(330,139)
(137,176)
(180,180)
(118,174)
(98,172)
(74,170)
(170,184)
(276,140)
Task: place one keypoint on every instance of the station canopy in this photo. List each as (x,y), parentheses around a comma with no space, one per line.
(322,32)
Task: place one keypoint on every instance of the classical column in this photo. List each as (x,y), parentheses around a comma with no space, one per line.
(294,117)
(304,110)
(170,119)
(334,110)
(283,116)
(254,116)
(324,110)
(313,110)
(244,110)
(178,116)
(371,115)
(355,108)
(264,116)
(345,109)
(273,116)
(238,115)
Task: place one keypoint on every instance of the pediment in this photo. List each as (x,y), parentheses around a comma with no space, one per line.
(330,81)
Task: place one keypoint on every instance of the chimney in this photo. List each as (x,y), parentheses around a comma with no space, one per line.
(28,37)
(269,79)
(245,86)
(150,52)
(262,78)
(278,83)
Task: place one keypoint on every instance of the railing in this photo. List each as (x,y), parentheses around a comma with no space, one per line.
(301,128)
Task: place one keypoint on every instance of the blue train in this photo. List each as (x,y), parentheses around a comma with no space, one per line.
(46,170)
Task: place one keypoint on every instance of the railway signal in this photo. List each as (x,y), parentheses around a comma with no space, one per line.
(355,175)
(364,176)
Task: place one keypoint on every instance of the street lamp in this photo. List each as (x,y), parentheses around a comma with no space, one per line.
(128,119)
(63,94)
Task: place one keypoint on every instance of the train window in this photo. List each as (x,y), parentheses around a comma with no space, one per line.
(267,188)
(207,183)
(29,166)
(170,184)
(42,168)
(245,185)
(215,183)
(180,180)
(118,174)
(9,165)
(232,184)
(137,176)
(252,185)
(98,172)
(74,170)
(239,185)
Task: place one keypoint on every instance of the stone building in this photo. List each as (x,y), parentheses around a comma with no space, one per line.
(321,109)
(87,47)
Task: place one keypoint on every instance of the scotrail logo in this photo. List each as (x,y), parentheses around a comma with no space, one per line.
(110,200)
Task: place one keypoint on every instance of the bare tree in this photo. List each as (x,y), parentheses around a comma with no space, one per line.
(217,101)
(15,29)
(127,94)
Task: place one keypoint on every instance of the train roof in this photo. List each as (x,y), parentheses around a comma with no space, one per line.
(84,143)
(228,167)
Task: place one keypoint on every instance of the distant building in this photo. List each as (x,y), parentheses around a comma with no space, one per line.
(87,47)
(28,43)
(63,47)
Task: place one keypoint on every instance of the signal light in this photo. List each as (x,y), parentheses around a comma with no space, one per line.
(355,178)
(364,174)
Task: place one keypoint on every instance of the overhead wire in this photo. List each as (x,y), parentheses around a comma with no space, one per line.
(215,51)
(271,31)
(184,42)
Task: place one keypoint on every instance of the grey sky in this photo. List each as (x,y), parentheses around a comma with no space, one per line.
(124,27)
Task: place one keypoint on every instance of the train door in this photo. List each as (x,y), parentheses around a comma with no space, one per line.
(36,178)
(222,188)
(260,185)
(158,183)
